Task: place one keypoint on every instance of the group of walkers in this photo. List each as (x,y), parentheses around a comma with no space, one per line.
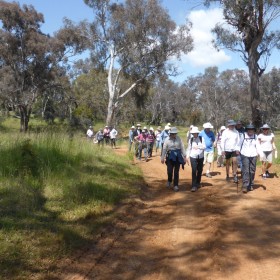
(105,135)
(237,147)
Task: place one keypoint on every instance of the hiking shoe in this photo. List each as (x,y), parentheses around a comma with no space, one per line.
(267,174)
(227,178)
(198,186)
(235,179)
(168,184)
(264,176)
(194,189)
(244,189)
(176,188)
(250,188)
(208,175)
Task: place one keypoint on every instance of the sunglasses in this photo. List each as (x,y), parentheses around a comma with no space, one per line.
(265,128)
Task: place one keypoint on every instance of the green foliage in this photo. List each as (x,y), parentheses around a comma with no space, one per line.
(55,193)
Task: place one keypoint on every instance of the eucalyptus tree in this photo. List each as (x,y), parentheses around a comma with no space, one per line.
(250,35)
(270,97)
(219,96)
(133,39)
(30,61)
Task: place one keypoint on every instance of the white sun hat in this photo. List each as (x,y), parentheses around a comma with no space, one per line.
(195,130)
(207,125)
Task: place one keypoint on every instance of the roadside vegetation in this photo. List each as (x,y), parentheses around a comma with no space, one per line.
(56,193)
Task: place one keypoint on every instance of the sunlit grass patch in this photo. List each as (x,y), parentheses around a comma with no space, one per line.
(55,193)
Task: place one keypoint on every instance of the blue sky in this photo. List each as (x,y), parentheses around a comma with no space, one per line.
(203,55)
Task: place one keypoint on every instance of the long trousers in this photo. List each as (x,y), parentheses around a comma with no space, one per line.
(248,170)
(173,168)
(197,167)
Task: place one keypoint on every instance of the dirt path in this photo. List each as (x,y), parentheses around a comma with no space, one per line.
(215,233)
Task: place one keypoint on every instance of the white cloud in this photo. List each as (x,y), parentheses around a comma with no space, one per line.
(204,54)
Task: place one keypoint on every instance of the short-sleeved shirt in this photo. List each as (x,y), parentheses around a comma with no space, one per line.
(266,142)
(209,139)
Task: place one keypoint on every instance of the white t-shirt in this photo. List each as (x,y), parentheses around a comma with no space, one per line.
(89,133)
(266,142)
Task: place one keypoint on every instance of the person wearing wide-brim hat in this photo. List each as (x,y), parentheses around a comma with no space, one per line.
(157,135)
(220,158)
(249,151)
(195,154)
(141,140)
(209,138)
(174,154)
(267,144)
(230,149)
(131,136)
(163,135)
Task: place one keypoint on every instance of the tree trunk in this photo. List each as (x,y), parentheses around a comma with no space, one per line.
(24,118)
(254,88)
(110,112)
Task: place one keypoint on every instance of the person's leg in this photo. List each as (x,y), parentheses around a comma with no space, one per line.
(234,168)
(176,174)
(228,163)
(245,173)
(252,170)
(199,171)
(194,170)
(140,151)
(169,170)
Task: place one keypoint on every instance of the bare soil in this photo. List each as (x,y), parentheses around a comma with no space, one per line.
(215,233)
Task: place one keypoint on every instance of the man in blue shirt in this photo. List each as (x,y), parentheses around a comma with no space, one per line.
(209,139)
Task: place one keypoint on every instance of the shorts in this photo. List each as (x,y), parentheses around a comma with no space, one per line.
(229,155)
(266,156)
(208,157)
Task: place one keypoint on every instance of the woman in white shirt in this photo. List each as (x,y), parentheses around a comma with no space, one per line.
(195,154)
(249,150)
(267,145)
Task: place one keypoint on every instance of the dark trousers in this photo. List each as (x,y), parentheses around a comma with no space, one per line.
(197,167)
(248,170)
(173,168)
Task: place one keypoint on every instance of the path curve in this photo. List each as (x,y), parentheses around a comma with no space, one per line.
(215,233)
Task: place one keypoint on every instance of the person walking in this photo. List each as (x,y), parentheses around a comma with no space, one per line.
(249,150)
(267,144)
(173,152)
(113,137)
(150,141)
(240,128)
(229,145)
(106,133)
(131,137)
(164,134)
(137,132)
(142,144)
(90,133)
(195,155)
(100,137)
(209,139)
(157,134)
(220,158)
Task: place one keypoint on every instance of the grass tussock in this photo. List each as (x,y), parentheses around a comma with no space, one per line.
(55,193)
